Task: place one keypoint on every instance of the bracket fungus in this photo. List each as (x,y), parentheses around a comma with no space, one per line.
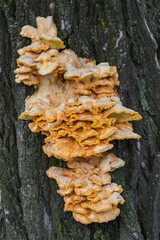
(77,107)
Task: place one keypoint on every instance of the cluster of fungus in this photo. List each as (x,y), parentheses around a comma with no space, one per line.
(77,107)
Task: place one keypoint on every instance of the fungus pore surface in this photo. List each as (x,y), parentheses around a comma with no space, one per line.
(77,107)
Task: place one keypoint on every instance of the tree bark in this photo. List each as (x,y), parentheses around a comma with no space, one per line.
(124,33)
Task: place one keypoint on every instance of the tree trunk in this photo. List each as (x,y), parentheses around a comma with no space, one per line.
(125,34)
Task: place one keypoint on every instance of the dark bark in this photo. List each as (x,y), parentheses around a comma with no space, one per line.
(126,34)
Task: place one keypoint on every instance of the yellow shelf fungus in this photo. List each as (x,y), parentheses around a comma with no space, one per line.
(77,107)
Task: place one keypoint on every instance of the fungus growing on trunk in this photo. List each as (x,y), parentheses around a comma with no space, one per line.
(77,107)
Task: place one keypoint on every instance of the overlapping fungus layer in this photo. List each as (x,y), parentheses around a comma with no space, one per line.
(77,107)
(87,188)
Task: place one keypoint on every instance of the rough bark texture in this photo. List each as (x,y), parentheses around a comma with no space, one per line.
(124,33)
